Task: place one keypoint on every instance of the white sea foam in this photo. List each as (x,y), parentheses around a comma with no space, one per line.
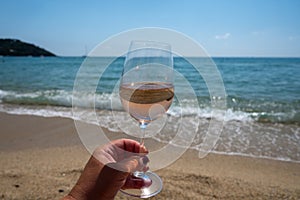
(242,135)
(36,110)
(104,101)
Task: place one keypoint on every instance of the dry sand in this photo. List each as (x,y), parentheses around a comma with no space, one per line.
(41,158)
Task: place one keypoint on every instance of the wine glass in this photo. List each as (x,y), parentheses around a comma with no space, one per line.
(146,92)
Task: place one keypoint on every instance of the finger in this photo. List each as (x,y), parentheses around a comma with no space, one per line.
(134,163)
(127,144)
(143,150)
(129,164)
(130,145)
(133,182)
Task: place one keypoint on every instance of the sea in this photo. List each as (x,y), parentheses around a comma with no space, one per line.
(262,99)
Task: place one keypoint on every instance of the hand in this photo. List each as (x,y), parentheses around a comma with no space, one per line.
(109,169)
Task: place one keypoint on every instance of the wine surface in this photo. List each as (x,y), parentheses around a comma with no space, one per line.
(146,101)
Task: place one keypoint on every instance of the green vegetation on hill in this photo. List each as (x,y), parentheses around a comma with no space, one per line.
(13,47)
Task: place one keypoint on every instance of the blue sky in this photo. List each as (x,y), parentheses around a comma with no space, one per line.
(223,28)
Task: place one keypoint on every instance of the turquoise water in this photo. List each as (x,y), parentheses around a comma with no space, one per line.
(263,97)
(266,89)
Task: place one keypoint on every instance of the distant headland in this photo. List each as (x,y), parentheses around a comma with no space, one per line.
(14,47)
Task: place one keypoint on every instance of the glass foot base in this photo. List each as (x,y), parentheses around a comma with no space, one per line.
(149,191)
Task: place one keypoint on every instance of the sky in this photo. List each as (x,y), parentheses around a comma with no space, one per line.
(264,28)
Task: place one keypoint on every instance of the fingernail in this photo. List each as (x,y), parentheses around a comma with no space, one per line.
(145,160)
(147,182)
(142,183)
(144,149)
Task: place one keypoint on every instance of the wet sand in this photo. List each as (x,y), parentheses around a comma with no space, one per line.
(42,158)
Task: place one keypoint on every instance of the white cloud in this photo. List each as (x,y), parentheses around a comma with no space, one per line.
(223,37)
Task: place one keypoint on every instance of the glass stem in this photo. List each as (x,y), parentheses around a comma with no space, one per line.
(143,126)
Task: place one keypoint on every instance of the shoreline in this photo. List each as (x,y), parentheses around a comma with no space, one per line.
(41,158)
(68,116)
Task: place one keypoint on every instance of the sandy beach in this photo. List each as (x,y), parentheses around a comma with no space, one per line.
(41,158)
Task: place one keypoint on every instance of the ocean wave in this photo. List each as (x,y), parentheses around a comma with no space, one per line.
(43,111)
(238,109)
(241,135)
(47,97)
(56,98)
(285,159)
